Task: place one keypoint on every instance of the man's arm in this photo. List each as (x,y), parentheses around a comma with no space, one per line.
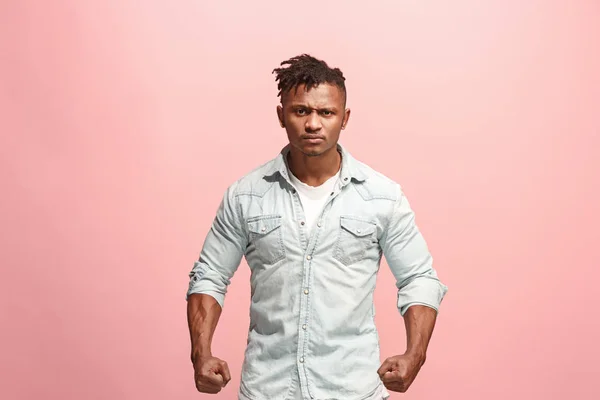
(203,312)
(211,373)
(398,372)
(221,252)
(419,322)
(420,293)
(220,257)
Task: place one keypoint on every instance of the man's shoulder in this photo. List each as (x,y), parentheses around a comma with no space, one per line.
(256,181)
(377,184)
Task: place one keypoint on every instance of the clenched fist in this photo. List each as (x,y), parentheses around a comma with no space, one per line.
(398,372)
(210,374)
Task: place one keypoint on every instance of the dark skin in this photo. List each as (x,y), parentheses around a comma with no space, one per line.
(211,374)
(398,372)
(313,121)
(319,113)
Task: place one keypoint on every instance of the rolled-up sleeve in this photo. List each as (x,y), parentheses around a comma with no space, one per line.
(409,259)
(221,252)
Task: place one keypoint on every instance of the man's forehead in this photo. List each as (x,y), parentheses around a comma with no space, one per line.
(321,95)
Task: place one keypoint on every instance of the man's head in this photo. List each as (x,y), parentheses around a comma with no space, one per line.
(313,104)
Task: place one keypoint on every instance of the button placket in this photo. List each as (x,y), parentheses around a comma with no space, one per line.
(306,299)
(306,292)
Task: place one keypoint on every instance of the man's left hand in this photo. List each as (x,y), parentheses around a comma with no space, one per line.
(398,372)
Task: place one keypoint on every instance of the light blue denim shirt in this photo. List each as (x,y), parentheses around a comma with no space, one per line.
(311,311)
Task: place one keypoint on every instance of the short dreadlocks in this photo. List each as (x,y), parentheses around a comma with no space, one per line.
(307,70)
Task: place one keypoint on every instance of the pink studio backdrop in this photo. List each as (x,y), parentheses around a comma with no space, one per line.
(123,122)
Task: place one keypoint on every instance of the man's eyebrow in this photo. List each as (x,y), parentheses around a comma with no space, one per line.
(300,105)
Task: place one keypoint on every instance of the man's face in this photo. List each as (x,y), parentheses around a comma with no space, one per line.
(313,119)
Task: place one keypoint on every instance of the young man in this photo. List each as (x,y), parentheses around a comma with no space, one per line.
(313,224)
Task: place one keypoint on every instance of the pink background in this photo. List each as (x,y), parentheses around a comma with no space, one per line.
(123,122)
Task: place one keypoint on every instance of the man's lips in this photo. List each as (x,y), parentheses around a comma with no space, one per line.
(312,138)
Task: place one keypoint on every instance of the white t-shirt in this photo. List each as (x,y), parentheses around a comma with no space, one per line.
(313,198)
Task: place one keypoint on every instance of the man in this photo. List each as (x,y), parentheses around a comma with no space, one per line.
(313,224)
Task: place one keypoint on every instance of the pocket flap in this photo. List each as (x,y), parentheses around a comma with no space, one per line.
(264,224)
(357,227)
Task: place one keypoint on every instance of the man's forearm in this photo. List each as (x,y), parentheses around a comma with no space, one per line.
(419,321)
(203,313)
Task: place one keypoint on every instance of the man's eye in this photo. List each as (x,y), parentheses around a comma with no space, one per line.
(327,113)
(301,111)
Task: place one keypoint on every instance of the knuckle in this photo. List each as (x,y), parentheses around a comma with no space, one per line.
(203,374)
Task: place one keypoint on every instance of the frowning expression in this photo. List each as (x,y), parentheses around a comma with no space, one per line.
(313,119)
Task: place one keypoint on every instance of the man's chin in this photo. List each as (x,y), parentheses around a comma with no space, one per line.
(314,151)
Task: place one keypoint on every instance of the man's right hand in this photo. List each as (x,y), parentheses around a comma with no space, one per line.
(210,374)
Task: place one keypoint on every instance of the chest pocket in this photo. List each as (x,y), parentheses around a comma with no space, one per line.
(265,243)
(354,239)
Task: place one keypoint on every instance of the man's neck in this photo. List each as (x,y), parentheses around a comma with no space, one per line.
(314,170)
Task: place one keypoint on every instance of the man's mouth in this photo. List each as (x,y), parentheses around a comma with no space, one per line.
(313,138)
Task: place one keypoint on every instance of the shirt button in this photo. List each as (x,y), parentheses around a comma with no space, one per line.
(332,193)
(301,359)
(301,222)
(319,224)
(305,291)
(308,257)
(263,229)
(345,179)
(304,326)
(358,231)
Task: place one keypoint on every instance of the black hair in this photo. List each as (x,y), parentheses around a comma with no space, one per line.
(307,70)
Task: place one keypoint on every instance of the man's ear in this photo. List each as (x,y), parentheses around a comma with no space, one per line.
(346,118)
(280,116)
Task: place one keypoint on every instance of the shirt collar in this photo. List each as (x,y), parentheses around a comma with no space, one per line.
(350,168)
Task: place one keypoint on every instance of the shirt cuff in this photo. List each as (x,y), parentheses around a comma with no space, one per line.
(422,290)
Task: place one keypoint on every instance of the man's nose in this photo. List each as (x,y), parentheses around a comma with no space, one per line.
(313,122)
